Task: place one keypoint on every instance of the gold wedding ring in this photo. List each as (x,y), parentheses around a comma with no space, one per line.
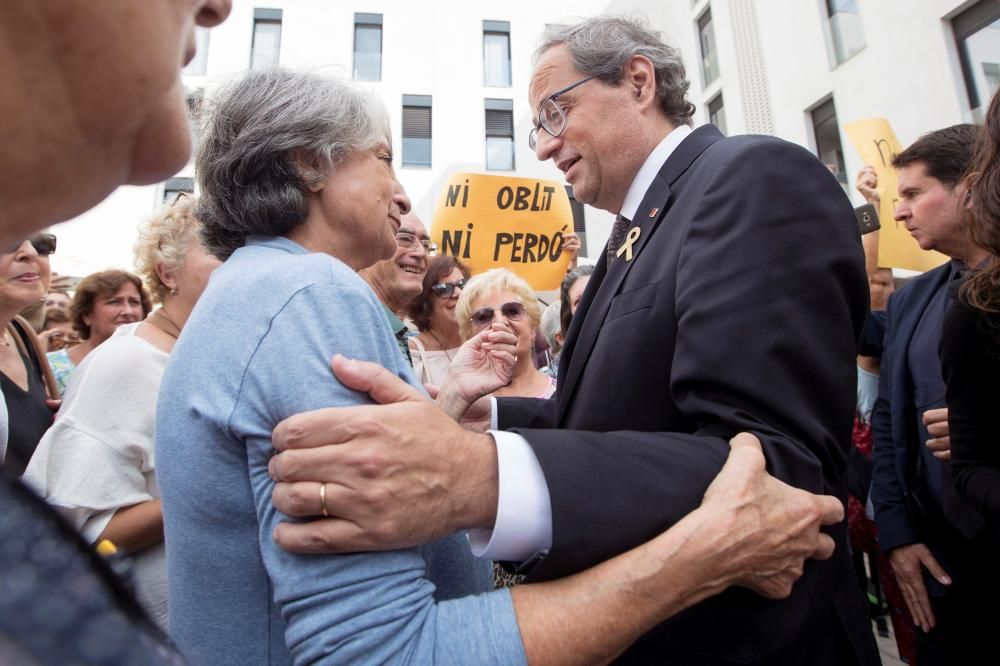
(322,500)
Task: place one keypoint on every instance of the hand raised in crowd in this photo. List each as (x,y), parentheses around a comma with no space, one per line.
(867,184)
(936,421)
(482,365)
(571,246)
(397,477)
(908,563)
(772,527)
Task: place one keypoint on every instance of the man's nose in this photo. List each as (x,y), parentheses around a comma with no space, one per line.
(545,145)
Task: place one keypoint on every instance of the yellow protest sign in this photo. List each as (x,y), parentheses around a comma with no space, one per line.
(877,143)
(505,222)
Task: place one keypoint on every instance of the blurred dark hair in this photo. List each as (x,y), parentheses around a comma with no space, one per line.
(55,316)
(564,310)
(101,285)
(946,153)
(982,290)
(438,268)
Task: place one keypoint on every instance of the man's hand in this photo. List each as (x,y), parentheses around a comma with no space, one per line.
(762,530)
(395,474)
(936,421)
(908,563)
(867,184)
(482,365)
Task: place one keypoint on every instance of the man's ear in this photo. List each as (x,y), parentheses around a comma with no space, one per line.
(640,76)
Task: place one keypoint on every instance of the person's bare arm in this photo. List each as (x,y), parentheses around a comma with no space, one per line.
(135,528)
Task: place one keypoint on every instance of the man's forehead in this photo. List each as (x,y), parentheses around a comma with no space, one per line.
(413,226)
(553,71)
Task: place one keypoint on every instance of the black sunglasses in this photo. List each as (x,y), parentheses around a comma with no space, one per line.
(44,244)
(483,317)
(446,289)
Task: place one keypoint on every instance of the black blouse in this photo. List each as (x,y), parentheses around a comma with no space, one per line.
(970,361)
(27,414)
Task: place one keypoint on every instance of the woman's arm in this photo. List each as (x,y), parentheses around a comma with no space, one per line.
(970,363)
(135,528)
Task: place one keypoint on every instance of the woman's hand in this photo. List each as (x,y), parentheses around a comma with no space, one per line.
(483,364)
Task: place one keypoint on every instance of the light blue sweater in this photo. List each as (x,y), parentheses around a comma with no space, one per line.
(256,350)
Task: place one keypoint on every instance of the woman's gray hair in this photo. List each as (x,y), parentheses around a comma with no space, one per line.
(266,138)
(601,47)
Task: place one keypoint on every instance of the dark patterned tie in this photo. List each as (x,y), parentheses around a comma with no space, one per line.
(618,231)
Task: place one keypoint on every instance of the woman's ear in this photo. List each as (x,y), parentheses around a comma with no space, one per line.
(309,169)
(167,276)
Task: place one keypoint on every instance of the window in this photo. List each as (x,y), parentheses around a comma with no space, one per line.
(266,45)
(827,134)
(368,47)
(416,130)
(977,33)
(174,186)
(197,66)
(847,34)
(709,57)
(579,221)
(717,113)
(499,135)
(496,53)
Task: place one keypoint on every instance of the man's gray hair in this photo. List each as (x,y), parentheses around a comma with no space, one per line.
(601,46)
(267,138)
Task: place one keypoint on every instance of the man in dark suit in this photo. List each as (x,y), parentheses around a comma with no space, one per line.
(931,536)
(731,302)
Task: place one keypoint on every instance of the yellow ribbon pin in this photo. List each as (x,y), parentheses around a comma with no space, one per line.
(626,248)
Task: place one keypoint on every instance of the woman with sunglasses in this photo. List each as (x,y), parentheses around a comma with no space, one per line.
(25,377)
(433,313)
(501,296)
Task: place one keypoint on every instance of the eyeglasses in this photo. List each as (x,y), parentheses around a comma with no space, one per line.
(44,244)
(446,289)
(483,317)
(407,240)
(551,117)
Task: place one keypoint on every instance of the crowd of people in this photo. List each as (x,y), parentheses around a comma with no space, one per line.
(299,435)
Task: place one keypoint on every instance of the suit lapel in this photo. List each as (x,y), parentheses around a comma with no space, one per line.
(591,312)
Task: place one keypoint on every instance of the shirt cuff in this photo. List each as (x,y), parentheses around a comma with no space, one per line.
(523,525)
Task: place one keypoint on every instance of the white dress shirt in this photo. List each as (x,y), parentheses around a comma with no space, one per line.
(523,525)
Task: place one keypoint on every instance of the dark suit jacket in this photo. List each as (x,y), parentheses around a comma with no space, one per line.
(903,514)
(894,419)
(739,311)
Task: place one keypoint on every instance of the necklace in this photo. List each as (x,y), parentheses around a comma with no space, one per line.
(167,325)
(439,344)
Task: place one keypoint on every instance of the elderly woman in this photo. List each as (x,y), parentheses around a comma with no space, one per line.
(500,295)
(25,378)
(102,302)
(299,194)
(96,464)
(433,313)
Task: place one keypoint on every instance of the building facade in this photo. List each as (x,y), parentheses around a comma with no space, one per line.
(454,77)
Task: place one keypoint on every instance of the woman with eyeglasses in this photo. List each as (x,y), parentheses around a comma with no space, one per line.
(433,313)
(500,296)
(25,377)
